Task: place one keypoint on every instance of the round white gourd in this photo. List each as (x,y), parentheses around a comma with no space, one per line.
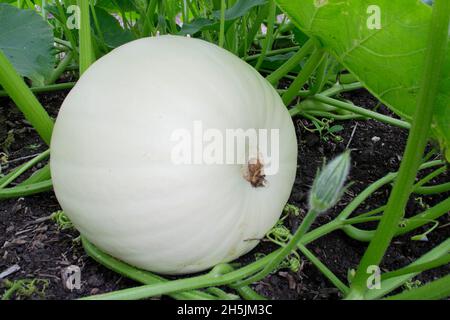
(111,155)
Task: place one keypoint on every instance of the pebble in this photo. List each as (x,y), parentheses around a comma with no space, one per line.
(95,291)
(9,271)
(95,281)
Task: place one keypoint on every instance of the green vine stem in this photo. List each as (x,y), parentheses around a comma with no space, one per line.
(320,79)
(361,111)
(332,116)
(430,177)
(366,193)
(325,271)
(48,88)
(294,61)
(409,225)
(180,285)
(439,261)
(100,35)
(249,294)
(223,7)
(267,44)
(60,69)
(66,44)
(23,169)
(86,49)
(41,175)
(262,14)
(146,277)
(221,294)
(26,190)
(271,53)
(25,100)
(133,273)
(285,251)
(436,290)
(148,28)
(417,140)
(389,285)
(430,190)
(209,280)
(340,88)
(303,76)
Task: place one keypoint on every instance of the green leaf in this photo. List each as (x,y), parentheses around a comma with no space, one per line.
(336,128)
(274,62)
(113,34)
(197,25)
(238,10)
(27,41)
(388,61)
(117,5)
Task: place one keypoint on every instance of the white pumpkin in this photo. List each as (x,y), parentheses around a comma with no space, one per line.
(112,156)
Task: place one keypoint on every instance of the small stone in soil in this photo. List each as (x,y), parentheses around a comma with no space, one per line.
(95,281)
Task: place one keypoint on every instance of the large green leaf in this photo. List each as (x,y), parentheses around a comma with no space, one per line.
(388,61)
(27,40)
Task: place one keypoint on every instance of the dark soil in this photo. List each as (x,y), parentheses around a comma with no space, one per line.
(28,238)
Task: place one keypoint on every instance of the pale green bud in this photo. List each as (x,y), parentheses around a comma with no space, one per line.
(328,187)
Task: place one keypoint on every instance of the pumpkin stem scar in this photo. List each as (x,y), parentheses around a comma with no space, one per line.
(254,173)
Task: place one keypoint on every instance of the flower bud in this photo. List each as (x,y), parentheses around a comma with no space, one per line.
(328,187)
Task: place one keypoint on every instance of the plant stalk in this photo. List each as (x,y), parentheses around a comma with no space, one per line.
(417,140)
(25,100)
